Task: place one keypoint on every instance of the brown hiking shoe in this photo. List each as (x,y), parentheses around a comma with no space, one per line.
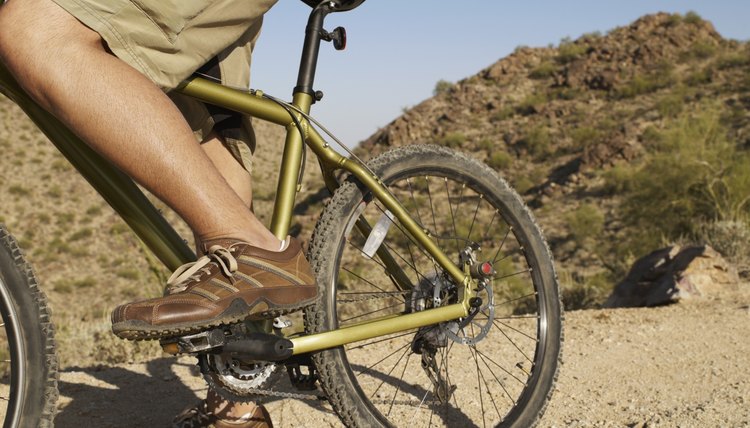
(233,282)
(198,416)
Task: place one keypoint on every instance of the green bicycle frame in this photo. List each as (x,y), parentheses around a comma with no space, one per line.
(148,224)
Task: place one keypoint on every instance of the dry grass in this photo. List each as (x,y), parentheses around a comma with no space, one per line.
(86,258)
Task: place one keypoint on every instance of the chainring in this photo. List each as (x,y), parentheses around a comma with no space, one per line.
(234,379)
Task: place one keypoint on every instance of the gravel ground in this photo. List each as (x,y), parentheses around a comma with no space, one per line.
(685,365)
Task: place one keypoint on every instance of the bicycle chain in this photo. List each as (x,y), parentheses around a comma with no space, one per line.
(246,394)
(373,296)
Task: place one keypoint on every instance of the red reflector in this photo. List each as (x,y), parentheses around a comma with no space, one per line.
(486,268)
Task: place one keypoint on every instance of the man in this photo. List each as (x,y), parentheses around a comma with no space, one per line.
(103,68)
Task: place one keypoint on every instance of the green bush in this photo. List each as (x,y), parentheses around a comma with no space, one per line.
(588,292)
(700,77)
(731,238)
(504,113)
(544,70)
(660,77)
(584,136)
(692,17)
(699,51)
(732,60)
(568,51)
(670,105)
(693,175)
(453,139)
(500,160)
(442,87)
(537,142)
(586,222)
(532,103)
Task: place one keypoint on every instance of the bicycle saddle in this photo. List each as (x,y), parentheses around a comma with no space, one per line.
(342,5)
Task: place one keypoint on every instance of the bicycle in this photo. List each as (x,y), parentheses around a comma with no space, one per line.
(397,252)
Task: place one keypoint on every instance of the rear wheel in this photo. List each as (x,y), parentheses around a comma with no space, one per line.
(28,365)
(495,368)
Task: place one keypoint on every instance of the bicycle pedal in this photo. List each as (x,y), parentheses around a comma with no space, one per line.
(303,380)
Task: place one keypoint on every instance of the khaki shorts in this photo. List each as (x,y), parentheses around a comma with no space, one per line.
(168,40)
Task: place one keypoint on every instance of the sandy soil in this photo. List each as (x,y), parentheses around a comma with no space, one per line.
(684,365)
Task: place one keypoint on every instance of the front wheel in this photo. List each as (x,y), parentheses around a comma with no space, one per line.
(28,365)
(494,368)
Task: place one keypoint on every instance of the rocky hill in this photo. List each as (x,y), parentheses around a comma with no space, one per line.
(573,127)
(592,131)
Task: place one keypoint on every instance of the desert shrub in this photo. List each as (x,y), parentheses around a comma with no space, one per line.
(731,238)
(568,51)
(537,142)
(453,139)
(588,292)
(544,70)
(700,77)
(698,51)
(532,103)
(500,160)
(504,113)
(693,175)
(584,136)
(442,87)
(670,105)
(81,234)
(18,190)
(732,60)
(660,77)
(692,17)
(674,20)
(565,93)
(585,222)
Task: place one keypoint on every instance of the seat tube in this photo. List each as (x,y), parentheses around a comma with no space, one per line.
(291,161)
(303,97)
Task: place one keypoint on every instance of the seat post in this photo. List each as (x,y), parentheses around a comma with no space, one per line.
(309,62)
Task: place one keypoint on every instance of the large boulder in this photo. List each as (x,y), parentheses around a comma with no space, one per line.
(670,274)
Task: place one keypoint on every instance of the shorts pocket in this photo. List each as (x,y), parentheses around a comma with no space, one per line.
(171,16)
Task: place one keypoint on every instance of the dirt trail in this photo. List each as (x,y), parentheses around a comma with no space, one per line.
(684,365)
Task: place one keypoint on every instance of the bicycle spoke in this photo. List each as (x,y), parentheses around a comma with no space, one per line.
(453,219)
(518,331)
(368,282)
(398,385)
(409,332)
(502,243)
(369,368)
(507,393)
(513,343)
(506,371)
(391,371)
(497,305)
(371,312)
(474,218)
(479,384)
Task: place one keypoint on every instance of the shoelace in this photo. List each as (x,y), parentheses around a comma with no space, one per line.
(217,255)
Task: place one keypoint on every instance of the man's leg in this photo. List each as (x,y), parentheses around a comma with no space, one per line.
(240,180)
(65,67)
(124,116)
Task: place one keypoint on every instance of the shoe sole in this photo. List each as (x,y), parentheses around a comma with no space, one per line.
(238,311)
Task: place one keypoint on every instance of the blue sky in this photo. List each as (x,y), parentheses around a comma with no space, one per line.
(398,50)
